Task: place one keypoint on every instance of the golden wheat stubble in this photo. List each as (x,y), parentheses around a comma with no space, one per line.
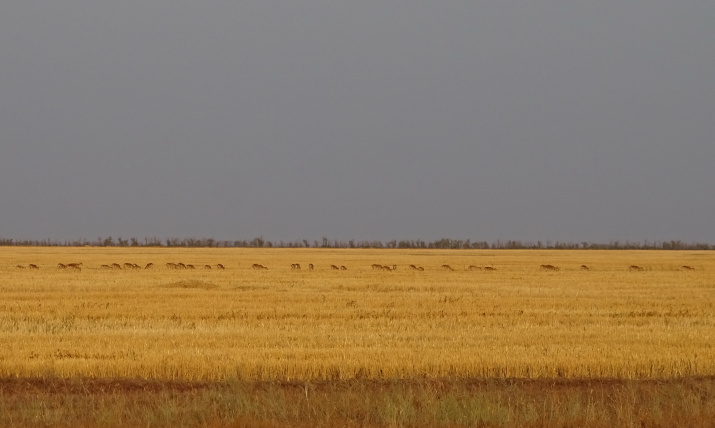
(516,320)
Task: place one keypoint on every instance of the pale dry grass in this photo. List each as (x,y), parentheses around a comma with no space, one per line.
(515,321)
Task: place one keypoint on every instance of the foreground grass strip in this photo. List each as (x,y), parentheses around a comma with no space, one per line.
(417,402)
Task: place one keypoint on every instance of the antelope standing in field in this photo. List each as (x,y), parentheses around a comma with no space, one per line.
(472,267)
(190,267)
(343,268)
(61,266)
(220,266)
(333,267)
(489,268)
(311,267)
(295,266)
(207,266)
(377,267)
(635,268)
(256,266)
(447,267)
(149,265)
(105,267)
(687,267)
(549,267)
(584,267)
(33,266)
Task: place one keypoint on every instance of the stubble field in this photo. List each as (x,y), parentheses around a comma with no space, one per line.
(508,319)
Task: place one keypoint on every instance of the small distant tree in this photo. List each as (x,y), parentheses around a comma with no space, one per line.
(152,242)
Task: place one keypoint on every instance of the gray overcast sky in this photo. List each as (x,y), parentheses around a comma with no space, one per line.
(561,120)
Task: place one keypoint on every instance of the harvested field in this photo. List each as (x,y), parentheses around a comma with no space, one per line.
(513,324)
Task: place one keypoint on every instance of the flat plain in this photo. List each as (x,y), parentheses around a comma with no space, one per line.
(499,315)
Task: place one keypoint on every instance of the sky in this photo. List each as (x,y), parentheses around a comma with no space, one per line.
(368,120)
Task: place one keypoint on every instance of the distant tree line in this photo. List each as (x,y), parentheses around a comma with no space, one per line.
(444,243)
